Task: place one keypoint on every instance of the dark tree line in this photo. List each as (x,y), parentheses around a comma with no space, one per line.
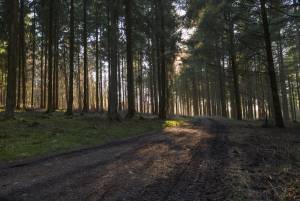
(130,56)
(115,48)
(244,55)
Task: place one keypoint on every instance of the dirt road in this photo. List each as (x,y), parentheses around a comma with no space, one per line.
(186,163)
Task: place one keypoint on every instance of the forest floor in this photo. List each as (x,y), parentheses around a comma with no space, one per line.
(204,159)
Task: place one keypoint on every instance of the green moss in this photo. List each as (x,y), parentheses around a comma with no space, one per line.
(37,134)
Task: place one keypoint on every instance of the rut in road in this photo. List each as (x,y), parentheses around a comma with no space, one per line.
(184,163)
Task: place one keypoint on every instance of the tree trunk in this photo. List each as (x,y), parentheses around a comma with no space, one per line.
(56,57)
(208,96)
(23,51)
(195,94)
(42,73)
(282,79)
(79,80)
(101,86)
(236,88)
(50,59)
(140,81)
(97,69)
(71,61)
(271,70)
(45,75)
(221,82)
(130,74)
(297,67)
(66,79)
(163,70)
(85,61)
(119,79)
(33,57)
(113,85)
(12,10)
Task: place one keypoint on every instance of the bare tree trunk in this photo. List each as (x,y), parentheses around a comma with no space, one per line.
(56,57)
(79,81)
(140,81)
(101,87)
(195,94)
(297,67)
(163,69)
(50,59)
(97,69)
(85,61)
(12,10)
(282,78)
(152,79)
(33,57)
(208,96)
(66,79)
(221,82)
(130,74)
(236,87)
(119,82)
(113,85)
(45,75)
(292,100)
(42,73)
(23,51)
(271,70)
(71,61)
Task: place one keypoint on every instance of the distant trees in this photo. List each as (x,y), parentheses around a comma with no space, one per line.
(233,34)
(129,57)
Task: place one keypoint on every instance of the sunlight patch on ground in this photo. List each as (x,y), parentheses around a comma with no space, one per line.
(173,123)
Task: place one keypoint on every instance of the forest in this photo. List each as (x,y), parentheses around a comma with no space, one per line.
(136,97)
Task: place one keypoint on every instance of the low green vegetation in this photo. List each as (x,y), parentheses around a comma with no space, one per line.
(36,134)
